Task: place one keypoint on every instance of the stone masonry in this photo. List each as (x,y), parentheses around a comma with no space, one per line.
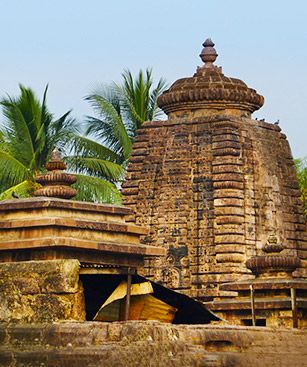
(41,291)
(46,242)
(212,184)
(149,343)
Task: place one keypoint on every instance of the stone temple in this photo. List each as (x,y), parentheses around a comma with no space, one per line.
(212,212)
(217,190)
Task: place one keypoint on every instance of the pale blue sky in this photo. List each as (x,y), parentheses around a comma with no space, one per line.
(75,45)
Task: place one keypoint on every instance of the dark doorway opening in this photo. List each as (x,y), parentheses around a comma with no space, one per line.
(98,288)
(259,322)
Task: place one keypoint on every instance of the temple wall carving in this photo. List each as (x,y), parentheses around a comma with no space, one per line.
(212,191)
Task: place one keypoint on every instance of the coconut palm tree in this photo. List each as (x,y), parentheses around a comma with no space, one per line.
(120,110)
(140,98)
(27,137)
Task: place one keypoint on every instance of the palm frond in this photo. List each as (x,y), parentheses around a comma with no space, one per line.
(63,136)
(3,144)
(85,147)
(139,100)
(110,128)
(111,93)
(22,190)
(136,95)
(96,167)
(12,170)
(154,111)
(28,136)
(17,131)
(97,190)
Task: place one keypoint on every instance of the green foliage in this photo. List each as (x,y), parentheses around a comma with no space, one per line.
(110,128)
(120,111)
(29,134)
(21,190)
(301,171)
(140,100)
(99,190)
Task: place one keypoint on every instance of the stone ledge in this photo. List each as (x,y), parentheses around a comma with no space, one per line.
(42,202)
(268,283)
(32,277)
(70,222)
(261,303)
(73,243)
(141,344)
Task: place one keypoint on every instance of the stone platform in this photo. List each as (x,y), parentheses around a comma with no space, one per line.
(143,344)
(51,228)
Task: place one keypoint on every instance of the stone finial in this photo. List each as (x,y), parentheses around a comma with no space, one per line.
(272,246)
(56,162)
(209,89)
(208,53)
(272,262)
(55,182)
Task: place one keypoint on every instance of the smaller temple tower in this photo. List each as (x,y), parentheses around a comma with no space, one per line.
(274,298)
(55,253)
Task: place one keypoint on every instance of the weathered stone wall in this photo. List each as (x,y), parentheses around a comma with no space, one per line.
(41,291)
(212,189)
(143,344)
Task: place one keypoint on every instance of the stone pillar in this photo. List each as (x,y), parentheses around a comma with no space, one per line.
(41,291)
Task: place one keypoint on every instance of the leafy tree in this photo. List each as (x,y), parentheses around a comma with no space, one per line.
(140,99)
(28,135)
(301,171)
(120,110)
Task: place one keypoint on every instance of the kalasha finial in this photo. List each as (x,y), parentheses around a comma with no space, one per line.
(56,162)
(56,183)
(208,53)
(272,246)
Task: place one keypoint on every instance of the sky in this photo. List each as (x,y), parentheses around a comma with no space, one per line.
(75,46)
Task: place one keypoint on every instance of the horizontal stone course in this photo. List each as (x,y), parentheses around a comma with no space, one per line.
(238,177)
(230,257)
(42,202)
(226,152)
(134,344)
(225,144)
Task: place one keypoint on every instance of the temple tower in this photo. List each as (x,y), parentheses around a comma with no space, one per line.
(213,184)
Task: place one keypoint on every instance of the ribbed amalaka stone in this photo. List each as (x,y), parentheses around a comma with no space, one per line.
(212,184)
(56,183)
(273,262)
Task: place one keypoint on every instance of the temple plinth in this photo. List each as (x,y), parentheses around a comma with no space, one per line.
(213,184)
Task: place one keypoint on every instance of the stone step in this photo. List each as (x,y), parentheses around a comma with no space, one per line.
(140,355)
(152,354)
(149,344)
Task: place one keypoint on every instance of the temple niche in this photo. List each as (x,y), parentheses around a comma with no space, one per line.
(213,185)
